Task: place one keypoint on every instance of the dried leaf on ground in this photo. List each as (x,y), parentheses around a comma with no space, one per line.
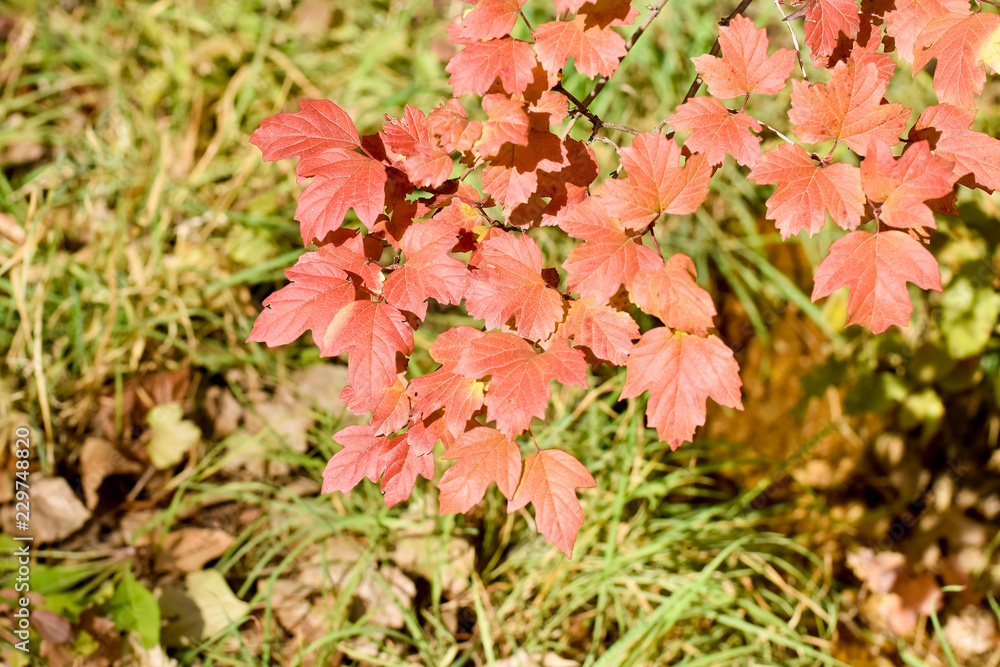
(99,459)
(56,512)
(188,549)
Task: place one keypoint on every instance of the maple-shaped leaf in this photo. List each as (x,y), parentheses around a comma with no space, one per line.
(490,19)
(825,20)
(318,126)
(908,17)
(596,51)
(344,179)
(508,283)
(902,185)
(506,122)
(745,67)
(449,123)
(976,155)
(876,268)
(806,191)
(549,482)
(483,456)
(511,176)
(356,254)
(715,131)
(474,68)
(359,458)
(603,331)
(558,190)
(671,294)
(372,333)
(393,409)
(681,371)
(428,272)
(425,162)
(401,463)
(847,108)
(519,384)
(609,258)
(319,289)
(459,396)
(657,182)
(956,39)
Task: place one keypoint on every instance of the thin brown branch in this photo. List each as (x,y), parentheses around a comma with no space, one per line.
(654,11)
(594,119)
(795,40)
(696,84)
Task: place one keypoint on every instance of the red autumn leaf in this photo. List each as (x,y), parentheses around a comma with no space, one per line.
(459,396)
(402,462)
(402,135)
(483,456)
(506,123)
(745,67)
(607,333)
(552,104)
(373,334)
(806,192)
(867,53)
(681,372)
(549,482)
(976,155)
(490,19)
(571,6)
(319,289)
(558,190)
(671,294)
(714,131)
(956,39)
(876,268)
(428,272)
(423,159)
(908,17)
(475,68)
(657,182)
(393,409)
(825,20)
(344,179)
(449,123)
(604,13)
(356,254)
(595,51)
(519,386)
(609,258)
(359,458)
(508,283)
(318,126)
(902,185)
(847,108)
(511,176)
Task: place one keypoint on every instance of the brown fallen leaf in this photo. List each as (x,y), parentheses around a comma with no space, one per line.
(99,459)
(189,549)
(56,512)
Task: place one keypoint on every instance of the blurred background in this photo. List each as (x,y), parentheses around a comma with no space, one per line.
(848,517)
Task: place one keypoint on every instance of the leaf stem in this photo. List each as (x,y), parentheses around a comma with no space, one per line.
(533,440)
(774,130)
(524,18)
(795,40)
